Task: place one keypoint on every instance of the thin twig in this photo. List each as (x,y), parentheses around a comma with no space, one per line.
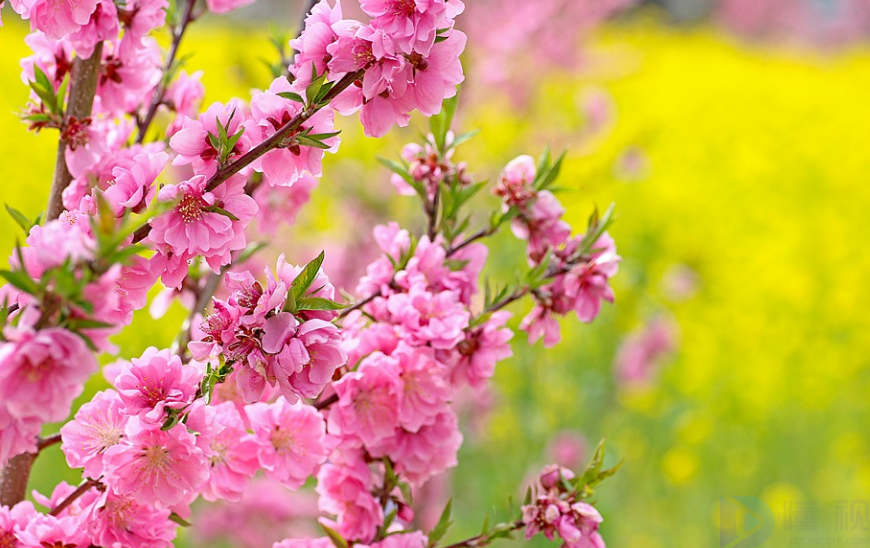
(83,87)
(160,91)
(283,132)
(482,539)
(43,443)
(72,497)
(323,404)
(202,300)
(480,234)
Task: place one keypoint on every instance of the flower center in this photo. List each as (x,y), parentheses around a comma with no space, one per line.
(283,439)
(190,208)
(404,8)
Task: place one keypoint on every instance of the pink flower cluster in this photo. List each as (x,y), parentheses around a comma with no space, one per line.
(147,471)
(555,511)
(409,52)
(269,345)
(580,269)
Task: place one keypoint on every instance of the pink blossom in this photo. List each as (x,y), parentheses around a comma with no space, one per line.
(425,391)
(311,45)
(133,187)
(42,372)
(184,97)
(131,68)
(576,523)
(98,425)
(279,205)
(192,142)
(411,24)
(17,436)
(226,6)
(344,486)
(368,400)
(142,16)
(483,347)
(515,183)
(156,467)
(322,542)
(307,354)
(423,454)
(14,519)
(642,352)
(196,227)
(267,513)
(46,530)
(587,283)
(156,382)
(437,75)
(414,539)
(541,322)
(232,455)
(103,25)
(121,521)
(284,166)
(56,18)
(427,318)
(291,439)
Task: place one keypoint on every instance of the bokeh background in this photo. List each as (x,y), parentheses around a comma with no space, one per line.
(733,138)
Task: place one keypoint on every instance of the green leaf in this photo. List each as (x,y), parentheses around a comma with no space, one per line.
(440,123)
(333,535)
(61,93)
(318,303)
(45,90)
(86,323)
(305,278)
(173,517)
(306,142)
(20,280)
(19,218)
(222,211)
(171,421)
(406,493)
(550,175)
(292,96)
(444,523)
(461,138)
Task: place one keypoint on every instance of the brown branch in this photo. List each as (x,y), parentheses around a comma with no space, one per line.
(44,443)
(13,479)
(72,497)
(479,235)
(83,87)
(160,91)
(271,143)
(203,298)
(323,404)
(283,132)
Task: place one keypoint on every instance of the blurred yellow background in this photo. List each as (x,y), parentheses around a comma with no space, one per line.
(740,175)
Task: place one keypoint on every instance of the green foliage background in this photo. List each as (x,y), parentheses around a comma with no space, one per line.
(757,181)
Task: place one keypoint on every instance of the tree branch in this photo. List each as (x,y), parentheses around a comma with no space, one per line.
(81,490)
(44,443)
(160,91)
(283,132)
(13,479)
(484,538)
(83,87)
